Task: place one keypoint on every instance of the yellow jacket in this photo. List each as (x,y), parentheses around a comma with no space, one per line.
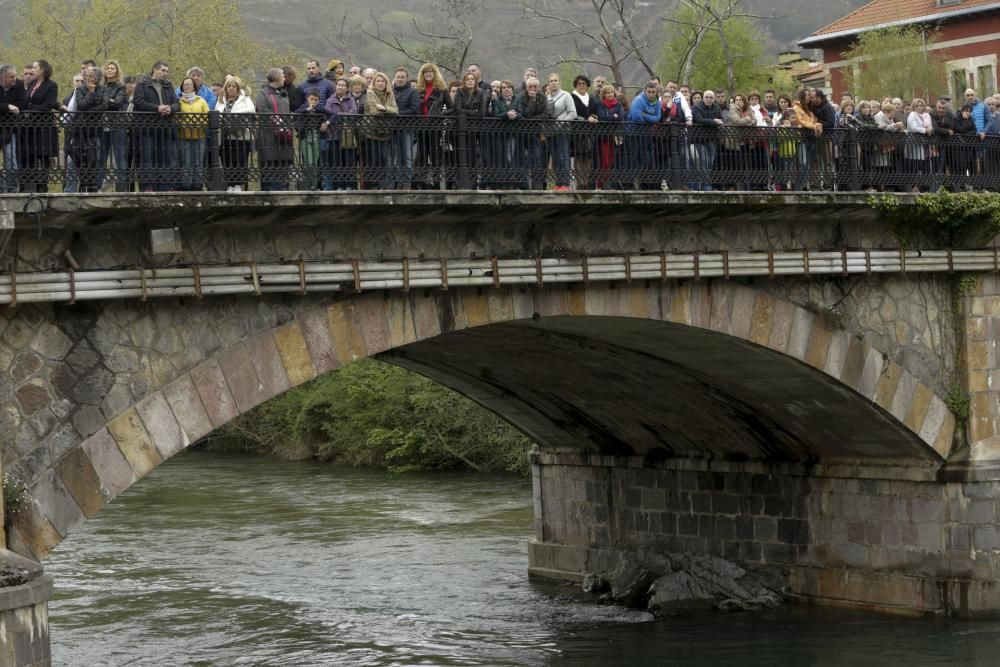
(192,127)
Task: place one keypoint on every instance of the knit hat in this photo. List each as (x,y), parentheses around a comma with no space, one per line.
(332,65)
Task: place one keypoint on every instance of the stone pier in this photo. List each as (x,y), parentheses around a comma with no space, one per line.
(884,540)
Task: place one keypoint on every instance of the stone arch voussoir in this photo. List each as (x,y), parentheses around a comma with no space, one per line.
(322,339)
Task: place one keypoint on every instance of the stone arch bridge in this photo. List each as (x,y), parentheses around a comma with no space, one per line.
(762,377)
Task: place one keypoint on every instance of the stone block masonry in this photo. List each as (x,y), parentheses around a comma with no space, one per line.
(910,546)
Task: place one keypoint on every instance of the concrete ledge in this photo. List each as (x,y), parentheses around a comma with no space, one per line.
(130,210)
(36,591)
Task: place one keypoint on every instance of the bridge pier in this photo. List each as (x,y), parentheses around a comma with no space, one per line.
(894,540)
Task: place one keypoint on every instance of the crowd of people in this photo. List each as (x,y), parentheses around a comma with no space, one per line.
(353,127)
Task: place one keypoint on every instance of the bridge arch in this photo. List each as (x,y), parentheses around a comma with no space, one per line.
(685,339)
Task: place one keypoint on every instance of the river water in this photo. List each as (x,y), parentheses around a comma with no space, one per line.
(233,560)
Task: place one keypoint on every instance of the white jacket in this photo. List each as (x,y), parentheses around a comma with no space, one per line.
(243,104)
(561,106)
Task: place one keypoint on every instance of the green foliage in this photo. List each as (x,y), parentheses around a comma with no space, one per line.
(695,56)
(942,219)
(374,414)
(15,494)
(896,61)
(207,33)
(957,400)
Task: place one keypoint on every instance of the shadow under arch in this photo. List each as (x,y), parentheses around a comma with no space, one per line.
(708,369)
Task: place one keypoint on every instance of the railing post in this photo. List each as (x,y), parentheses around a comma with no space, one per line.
(676,166)
(854,158)
(462,134)
(215,177)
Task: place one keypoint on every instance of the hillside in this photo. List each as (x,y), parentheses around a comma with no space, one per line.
(504,40)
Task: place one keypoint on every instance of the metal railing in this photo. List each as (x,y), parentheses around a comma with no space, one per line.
(361,275)
(90,151)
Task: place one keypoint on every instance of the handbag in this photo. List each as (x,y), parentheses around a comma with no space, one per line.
(282,133)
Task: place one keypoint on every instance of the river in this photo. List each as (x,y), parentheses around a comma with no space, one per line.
(236,560)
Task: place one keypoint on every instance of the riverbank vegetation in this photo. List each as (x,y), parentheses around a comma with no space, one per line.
(375,414)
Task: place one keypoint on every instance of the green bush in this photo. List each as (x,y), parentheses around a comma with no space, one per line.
(372,413)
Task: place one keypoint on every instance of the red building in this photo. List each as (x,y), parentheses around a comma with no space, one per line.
(969,35)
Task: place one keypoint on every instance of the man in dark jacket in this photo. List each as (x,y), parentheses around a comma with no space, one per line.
(532,105)
(942,130)
(707,118)
(315,81)
(408,102)
(296,98)
(155,95)
(826,116)
(12,100)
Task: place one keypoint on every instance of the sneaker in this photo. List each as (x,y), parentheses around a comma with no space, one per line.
(237,188)
(229,188)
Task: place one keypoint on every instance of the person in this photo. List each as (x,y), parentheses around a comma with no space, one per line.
(644,113)
(192,128)
(583,140)
(434,101)
(114,137)
(234,148)
(758,146)
(341,140)
(787,143)
(154,95)
(476,72)
(380,104)
(531,105)
(217,89)
(408,103)
(826,118)
(883,162)
(85,131)
(274,140)
(71,181)
(354,71)
(979,110)
(292,91)
(965,140)
(560,108)
(369,76)
(202,89)
(804,119)
(734,141)
(315,82)
(770,102)
(707,118)
(508,153)
(942,148)
(529,73)
(312,138)
(334,70)
(609,111)
(471,101)
(12,100)
(41,135)
(918,128)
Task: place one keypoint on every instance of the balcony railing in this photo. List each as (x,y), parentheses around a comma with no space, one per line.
(87,152)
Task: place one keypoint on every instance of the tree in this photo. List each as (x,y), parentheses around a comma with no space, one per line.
(447,44)
(896,61)
(610,39)
(718,34)
(139,32)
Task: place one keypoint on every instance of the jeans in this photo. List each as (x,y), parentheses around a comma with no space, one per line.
(536,163)
(113,144)
(559,145)
(402,151)
(157,160)
(312,150)
(192,156)
(9,181)
(72,182)
(707,154)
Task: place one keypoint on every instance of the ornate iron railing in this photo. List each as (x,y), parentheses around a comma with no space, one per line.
(88,151)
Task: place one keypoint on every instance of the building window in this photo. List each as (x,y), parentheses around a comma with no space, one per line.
(986,81)
(959,82)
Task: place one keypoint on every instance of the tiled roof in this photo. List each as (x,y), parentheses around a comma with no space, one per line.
(881,12)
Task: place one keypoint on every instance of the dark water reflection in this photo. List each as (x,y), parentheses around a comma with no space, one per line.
(231,560)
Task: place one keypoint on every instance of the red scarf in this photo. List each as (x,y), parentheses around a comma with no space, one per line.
(610,104)
(428,91)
